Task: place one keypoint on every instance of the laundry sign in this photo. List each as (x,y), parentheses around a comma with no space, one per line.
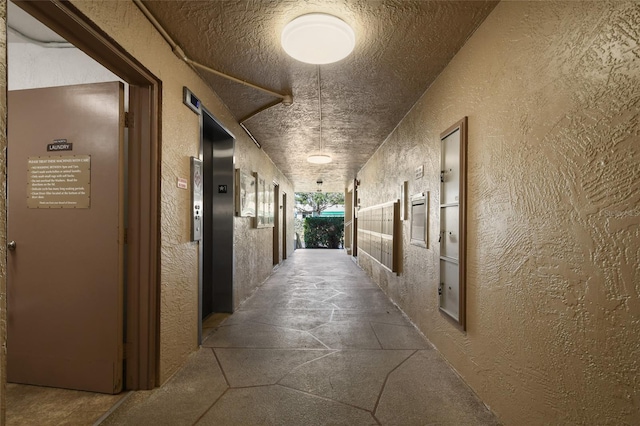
(60,145)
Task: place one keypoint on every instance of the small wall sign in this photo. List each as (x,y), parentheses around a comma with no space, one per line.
(60,145)
(182,183)
(419,171)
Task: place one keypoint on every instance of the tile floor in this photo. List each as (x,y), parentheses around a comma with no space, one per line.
(36,405)
(317,344)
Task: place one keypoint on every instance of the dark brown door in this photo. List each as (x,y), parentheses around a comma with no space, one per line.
(65,216)
(276,224)
(354,226)
(284,225)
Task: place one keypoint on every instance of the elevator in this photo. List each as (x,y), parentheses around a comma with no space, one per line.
(216,248)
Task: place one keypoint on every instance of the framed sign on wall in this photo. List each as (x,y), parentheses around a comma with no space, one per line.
(245,194)
(265,203)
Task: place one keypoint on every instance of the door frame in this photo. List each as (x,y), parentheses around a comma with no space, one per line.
(276,223)
(354,226)
(143,233)
(283,209)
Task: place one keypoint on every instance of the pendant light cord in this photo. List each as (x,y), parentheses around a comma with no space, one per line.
(320,106)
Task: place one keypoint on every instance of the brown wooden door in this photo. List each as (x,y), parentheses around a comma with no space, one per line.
(284,225)
(65,215)
(276,224)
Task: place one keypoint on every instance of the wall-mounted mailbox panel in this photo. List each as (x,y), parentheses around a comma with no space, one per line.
(376,247)
(364,242)
(449,282)
(419,222)
(450,172)
(449,236)
(379,234)
(387,250)
(453,222)
(377,221)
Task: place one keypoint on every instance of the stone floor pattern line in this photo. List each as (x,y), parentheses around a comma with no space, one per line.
(318,344)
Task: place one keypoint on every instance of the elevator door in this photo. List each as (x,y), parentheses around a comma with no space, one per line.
(217,231)
(65,233)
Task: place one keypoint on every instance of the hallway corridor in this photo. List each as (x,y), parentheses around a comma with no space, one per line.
(317,344)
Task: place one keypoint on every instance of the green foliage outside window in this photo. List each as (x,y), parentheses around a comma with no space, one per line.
(316,202)
(324,232)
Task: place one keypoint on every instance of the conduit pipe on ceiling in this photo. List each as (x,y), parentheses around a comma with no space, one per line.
(286,99)
(253,114)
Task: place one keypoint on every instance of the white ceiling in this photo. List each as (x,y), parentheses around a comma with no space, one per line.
(19,21)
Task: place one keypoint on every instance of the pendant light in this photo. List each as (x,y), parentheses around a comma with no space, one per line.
(319,158)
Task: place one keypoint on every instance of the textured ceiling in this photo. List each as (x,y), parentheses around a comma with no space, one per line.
(401,47)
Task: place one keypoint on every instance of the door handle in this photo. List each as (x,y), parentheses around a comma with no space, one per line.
(11,245)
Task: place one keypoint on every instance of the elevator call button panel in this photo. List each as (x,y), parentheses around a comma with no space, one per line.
(196,199)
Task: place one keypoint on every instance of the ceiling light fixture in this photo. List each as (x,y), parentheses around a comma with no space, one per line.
(318,38)
(319,158)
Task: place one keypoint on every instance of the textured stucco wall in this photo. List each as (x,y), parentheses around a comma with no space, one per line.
(254,247)
(552,92)
(180,140)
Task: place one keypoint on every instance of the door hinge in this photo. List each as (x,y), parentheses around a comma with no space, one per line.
(128,120)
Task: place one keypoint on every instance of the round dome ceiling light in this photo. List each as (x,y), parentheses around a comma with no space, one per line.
(319,159)
(318,38)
